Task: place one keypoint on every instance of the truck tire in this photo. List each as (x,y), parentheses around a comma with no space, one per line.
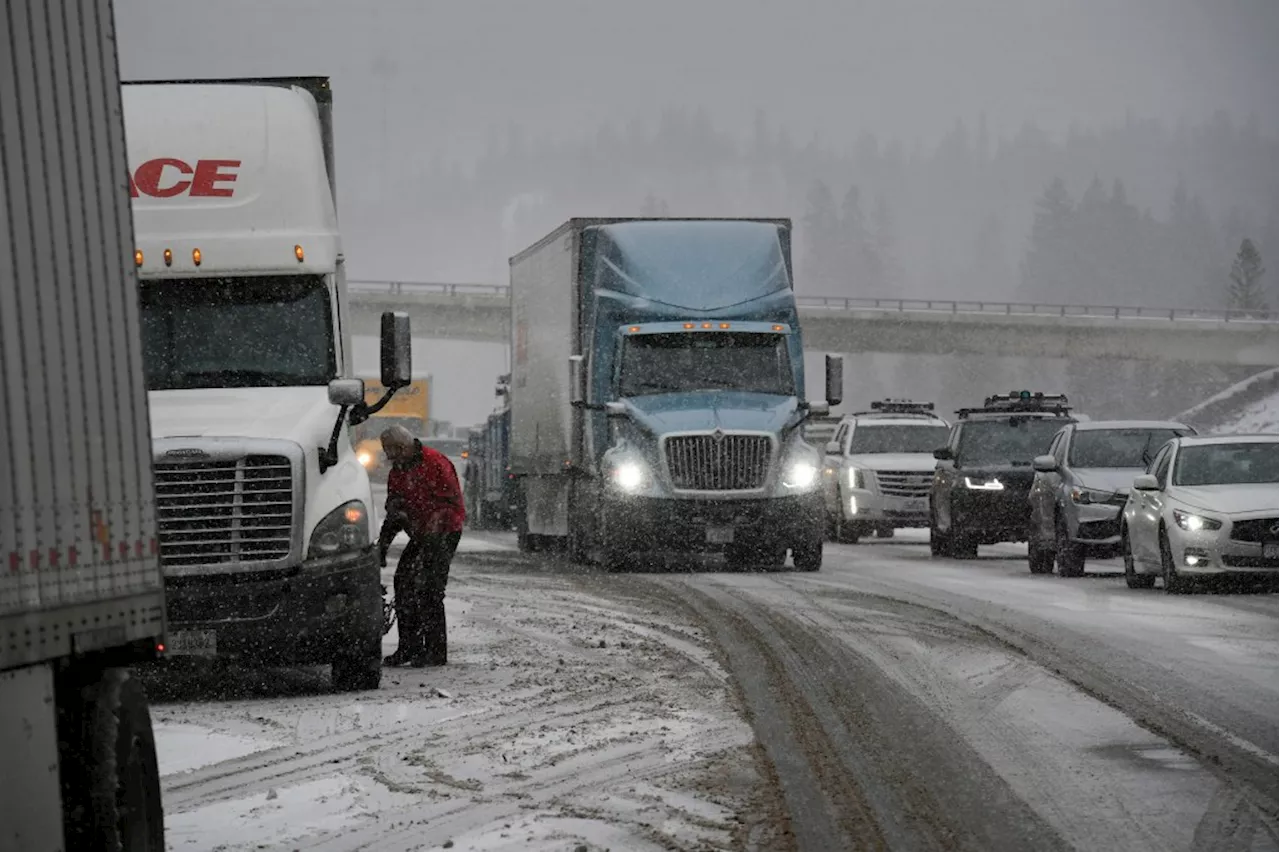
(358,672)
(118,778)
(808,557)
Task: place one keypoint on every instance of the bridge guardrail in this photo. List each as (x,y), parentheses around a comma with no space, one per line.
(937,306)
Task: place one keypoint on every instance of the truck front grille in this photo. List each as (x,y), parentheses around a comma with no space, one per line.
(218,512)
(718,462)
(903,483)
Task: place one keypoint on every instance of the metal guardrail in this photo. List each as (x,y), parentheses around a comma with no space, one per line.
(935,306)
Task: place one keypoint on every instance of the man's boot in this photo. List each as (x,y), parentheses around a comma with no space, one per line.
(435,646)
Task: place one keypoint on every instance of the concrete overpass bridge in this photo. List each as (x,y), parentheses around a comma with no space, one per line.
(910,326)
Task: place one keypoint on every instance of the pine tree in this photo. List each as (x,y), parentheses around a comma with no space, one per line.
(1047,271)
(822,259)
(1246,293)
(654,207)
(884,241)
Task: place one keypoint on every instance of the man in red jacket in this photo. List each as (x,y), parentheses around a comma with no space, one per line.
(424,500)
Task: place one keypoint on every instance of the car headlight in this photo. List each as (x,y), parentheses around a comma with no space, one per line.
(630,475)
(343,530)
(857,477)
(1195,523)
(800,475)
(365,458)
(1085,496)
(983,484)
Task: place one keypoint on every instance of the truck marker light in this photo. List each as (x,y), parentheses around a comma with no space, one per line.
(168,257)
(160,647)
(633,329)
(137,257)
(688,325)
(777,328)
(298,253)
(724,325)
(706,325)
(195,256)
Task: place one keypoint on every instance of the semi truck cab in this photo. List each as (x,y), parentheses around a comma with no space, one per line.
(265,514)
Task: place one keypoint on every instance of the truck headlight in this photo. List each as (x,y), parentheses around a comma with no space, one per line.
(365,458)
(985,483)
(343,530)
(800,475)
(630,475)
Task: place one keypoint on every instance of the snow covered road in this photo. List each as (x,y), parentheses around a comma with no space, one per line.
(889,701)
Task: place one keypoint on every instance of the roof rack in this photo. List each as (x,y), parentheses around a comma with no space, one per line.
(900,406)
(1020,402)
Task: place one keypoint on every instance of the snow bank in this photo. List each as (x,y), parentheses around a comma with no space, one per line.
(1249,406)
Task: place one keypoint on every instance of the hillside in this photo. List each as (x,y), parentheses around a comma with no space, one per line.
(1250,406)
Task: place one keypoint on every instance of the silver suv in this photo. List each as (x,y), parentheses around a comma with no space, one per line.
(879,467)
(1081,486)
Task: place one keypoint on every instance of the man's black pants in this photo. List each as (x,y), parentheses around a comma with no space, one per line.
(421,576)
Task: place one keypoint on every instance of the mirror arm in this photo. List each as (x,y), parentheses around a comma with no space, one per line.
(587,406)
(328,456)
(361,412)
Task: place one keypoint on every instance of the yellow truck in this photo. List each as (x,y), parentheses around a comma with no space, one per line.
(410,408)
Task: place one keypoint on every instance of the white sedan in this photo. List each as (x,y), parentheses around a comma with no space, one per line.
(1207,505)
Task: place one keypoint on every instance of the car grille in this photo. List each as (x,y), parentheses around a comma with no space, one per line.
(718,463)
(219,512)
(1256,529)
(903,483)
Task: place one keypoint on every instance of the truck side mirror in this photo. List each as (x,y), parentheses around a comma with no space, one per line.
(397,350)
(577,380)
(833,448)
(943,454)
(615,409)
(346,392)
(835,379)
(818,409)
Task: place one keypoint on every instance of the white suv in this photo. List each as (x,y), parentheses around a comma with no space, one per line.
(879,468)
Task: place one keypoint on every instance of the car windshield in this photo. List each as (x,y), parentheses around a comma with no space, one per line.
(267,331)
(673,363)
(1117,448)
(448,446)
(1226,464)
(899,438)
(1006,440)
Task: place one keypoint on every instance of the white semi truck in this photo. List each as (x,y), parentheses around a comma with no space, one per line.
(265,513)
(81,592)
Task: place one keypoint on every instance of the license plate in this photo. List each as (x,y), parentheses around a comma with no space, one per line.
(192,643)
(918,505)
(1269,551)
(719,535)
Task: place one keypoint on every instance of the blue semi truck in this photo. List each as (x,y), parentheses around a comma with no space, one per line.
(490,486)
(657,394)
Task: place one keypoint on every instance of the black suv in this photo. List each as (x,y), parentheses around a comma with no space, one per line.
(984,473)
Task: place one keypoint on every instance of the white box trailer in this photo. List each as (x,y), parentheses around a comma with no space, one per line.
(81,590)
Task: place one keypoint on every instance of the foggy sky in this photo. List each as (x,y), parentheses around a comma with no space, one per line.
(453,71)
(416,79)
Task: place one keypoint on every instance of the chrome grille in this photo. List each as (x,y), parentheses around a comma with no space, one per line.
(219,512)
(904,483)
(718,462)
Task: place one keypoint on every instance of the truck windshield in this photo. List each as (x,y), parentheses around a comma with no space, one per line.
(682,362)
(1007,441)
(924,438)
(262,331)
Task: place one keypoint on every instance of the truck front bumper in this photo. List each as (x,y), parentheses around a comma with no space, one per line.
(657,524)
(309,615)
